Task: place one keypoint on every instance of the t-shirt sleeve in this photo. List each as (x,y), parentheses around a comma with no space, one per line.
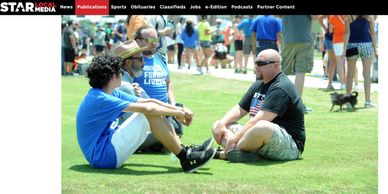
(254,26)
(108,108)
(240,26)
(278,26)
(245,102)
(276,101)
(207,26)
(124,96)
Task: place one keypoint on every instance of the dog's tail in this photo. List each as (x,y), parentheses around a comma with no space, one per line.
(355,93)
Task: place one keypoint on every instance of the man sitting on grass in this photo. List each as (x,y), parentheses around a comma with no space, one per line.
(105,143)
(276,129)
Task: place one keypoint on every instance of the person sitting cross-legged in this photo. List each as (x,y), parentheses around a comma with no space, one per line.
(276,129)
(105,143)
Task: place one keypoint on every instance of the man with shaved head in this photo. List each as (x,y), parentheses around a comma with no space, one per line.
(275,130)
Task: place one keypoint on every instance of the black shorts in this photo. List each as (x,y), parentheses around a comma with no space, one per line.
(99,48)
(171,48)
(69,55)
(219,55)
(238,45)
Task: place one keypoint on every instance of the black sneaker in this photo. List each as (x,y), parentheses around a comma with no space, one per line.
(197,159)
(240,156)
(204,146)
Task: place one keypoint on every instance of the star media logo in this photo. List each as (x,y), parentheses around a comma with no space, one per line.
(27,7)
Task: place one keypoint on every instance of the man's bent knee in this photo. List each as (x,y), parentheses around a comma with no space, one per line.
(264,129)
(257,136)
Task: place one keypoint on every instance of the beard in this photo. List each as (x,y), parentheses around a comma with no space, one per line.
(259,76)
(138,72)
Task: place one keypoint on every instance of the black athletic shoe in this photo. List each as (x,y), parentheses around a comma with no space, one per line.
(197,159)
(204,146)
(240,156)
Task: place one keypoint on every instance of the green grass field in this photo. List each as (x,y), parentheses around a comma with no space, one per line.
(340,153)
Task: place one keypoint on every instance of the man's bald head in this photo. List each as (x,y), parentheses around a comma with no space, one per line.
(268,55)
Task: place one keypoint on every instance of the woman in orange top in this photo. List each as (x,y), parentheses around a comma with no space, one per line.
(338,24)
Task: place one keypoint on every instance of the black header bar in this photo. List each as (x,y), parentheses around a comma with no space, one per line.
(179,7)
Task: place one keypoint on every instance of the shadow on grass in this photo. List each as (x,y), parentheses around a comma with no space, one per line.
(347,110)
(134,169)
(266,162)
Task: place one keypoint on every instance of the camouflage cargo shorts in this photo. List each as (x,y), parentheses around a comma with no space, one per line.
(280,147)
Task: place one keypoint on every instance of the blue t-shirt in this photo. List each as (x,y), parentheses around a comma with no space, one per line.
(266,27)
(245,26)
(190,41)
(97,120)
(154,77)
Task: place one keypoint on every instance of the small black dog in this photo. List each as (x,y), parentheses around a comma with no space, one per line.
(341,99)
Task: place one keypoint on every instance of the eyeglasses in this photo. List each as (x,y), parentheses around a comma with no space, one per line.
(151,39)
(263,63)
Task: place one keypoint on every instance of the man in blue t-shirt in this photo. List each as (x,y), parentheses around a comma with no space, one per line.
(155,79)
(105,143)
(266,32)
(275,130)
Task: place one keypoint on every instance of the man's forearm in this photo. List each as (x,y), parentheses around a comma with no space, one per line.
(163,104)
(152,107)
(235,114)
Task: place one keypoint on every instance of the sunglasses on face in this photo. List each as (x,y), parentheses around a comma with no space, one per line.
(151,39)
(263,63)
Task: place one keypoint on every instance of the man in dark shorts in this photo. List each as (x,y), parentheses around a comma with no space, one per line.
(70,46)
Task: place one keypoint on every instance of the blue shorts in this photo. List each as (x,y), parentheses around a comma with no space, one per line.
(205,44)
(191,47)
(328,44)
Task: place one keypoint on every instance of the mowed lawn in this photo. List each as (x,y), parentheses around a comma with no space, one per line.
(340,153)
